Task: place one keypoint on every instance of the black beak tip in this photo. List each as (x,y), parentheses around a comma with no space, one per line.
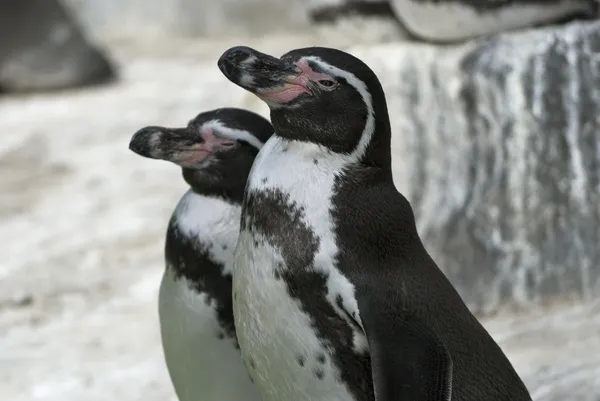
(225,66)
(140,141)
(230,60)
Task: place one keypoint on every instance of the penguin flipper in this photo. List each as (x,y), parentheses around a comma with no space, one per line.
(409,361)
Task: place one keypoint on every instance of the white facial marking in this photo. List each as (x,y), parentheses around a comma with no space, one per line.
(210,220)
(235,134)
(361,87)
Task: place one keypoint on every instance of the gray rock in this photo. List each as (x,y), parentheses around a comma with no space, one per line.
(82,229)
(46,49)
(497,146)
(143,21)
(139,20)
(148,21)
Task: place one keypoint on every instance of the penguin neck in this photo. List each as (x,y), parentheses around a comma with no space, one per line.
(306,169)
(371,155)
(334,190)
(375,148)
(369,145)
(378,152)
(209,182)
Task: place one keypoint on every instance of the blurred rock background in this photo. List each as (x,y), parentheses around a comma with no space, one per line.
(495,110)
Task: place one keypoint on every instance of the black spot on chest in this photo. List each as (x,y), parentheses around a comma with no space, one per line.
(281,222)
(271,214)
(190,259)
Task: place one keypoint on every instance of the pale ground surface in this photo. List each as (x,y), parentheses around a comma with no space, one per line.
(82,225)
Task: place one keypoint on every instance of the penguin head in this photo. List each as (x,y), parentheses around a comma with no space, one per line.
(217,148)
(315,94)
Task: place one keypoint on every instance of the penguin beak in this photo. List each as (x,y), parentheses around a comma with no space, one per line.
(186,147)
(271,79)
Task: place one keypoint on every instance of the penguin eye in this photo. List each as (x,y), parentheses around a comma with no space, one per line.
(327,83)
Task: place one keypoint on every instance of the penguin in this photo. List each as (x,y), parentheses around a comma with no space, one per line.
(335,296)
(446,21)
(215,151)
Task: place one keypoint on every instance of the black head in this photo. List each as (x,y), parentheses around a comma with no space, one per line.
(319,95)
(216,149)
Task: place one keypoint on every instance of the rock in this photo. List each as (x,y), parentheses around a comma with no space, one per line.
(92,255)
(140,21)
(496,144)
(143,20)
(457,20)
(146,22)
(46,49)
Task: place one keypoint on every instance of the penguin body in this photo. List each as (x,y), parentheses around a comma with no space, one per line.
(196,324)
(296,319)
(215,151)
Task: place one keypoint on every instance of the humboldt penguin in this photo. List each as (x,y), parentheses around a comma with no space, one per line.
(335,295)
(215,151)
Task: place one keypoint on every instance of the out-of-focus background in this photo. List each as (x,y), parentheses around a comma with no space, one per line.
(496,120)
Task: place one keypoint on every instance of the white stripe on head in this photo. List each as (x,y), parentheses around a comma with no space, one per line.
(230,133)
(361,88)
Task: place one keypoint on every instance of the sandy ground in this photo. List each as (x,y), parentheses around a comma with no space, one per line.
(81,235)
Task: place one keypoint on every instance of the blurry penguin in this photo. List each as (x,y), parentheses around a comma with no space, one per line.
(215,151)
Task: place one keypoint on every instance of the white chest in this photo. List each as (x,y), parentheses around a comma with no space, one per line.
(280,346)
(202,364)
(202,360)
(210,220)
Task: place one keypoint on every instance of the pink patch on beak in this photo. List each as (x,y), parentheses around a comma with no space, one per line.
(212,142)
(285,94)
(199,151)
(310,74)
(295,85)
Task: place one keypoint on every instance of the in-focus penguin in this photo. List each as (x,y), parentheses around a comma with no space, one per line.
(216,151)
(335,296)
(456,20)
